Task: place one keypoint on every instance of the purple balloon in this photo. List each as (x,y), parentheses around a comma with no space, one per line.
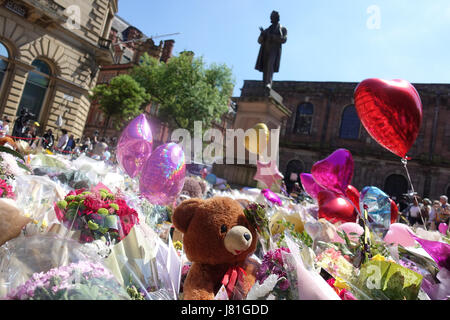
(310,185)
(334,173)
(163,174)
(272,196)
(135,145)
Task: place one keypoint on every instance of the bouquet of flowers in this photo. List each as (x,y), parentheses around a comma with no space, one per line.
(6,191)
(273,264)
(257,216)
(83,280)
(98,214)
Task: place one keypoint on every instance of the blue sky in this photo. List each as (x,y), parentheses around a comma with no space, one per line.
(328,40)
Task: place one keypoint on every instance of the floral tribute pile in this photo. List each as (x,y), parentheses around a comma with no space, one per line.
(98,214)
(83,280)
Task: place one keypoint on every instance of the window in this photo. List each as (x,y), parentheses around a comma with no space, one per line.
(35,89)
(4,55)
(303,120)
(350,123)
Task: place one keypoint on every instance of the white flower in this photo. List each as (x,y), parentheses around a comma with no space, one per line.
(259,291)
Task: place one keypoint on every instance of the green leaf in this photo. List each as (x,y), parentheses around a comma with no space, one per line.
(20,164)
(13,152)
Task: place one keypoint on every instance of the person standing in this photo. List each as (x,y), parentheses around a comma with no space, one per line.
(433,213)
(70,144)
(443,211)
(49,140)
(415,212)
(5,127)
(62,142)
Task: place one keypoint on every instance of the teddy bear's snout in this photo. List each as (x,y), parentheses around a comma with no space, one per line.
(238,239)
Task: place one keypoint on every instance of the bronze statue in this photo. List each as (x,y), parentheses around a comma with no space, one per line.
(269,55)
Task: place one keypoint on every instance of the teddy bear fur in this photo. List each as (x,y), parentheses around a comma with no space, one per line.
(201,223)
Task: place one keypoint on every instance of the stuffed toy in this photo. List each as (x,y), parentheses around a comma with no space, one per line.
(11,220)
(194,188)
(218,240)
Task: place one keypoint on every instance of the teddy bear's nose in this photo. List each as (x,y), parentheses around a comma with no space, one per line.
(247,236)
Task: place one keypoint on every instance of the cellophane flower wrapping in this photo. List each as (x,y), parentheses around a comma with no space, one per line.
(44,267)
(275,263)
(36,196)
(97,215)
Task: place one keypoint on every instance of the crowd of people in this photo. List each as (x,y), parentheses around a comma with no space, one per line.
(426,212)
(29,130)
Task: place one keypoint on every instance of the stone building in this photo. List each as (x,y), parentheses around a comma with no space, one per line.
(50,53)
(324,119)
(129,44)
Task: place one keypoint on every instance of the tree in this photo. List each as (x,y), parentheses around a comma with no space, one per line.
(120,100)
(185,89)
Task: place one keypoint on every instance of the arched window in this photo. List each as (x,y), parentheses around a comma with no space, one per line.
(395,186)
(35,89)
(4,55)
(303,119)
(350,123)
(293,170)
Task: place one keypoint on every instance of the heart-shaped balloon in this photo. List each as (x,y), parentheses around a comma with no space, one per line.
(378,205)
(335,172)
(353,231)
(135,146)
(394,211)
(310,185)
(400,233)
(163,175)
(335,208)
(391,112)
(443,227)
(353,194)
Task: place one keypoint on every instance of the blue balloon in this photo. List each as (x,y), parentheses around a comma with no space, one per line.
(378,206)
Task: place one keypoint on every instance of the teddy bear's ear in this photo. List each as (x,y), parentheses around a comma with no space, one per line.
(184,212)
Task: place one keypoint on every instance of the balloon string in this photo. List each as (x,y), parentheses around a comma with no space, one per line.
(405,162)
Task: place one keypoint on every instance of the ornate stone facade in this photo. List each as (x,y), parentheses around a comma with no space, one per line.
(323,120)
(68,37)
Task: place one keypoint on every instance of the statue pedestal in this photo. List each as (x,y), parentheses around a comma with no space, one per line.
(266,108)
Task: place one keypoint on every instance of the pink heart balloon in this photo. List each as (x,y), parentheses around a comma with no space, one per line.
(443,227)
(348,228)
(335,172)
(163,174)
(311,187)
(135,146)
(400,233)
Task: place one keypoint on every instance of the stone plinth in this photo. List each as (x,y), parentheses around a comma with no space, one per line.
(267,108)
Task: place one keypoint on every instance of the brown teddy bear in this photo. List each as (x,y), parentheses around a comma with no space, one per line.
(218,240)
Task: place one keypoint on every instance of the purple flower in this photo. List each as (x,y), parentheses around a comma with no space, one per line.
(273,264)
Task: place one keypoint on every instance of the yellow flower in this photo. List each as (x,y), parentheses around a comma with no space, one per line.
(35,221)
(378,257)
(178,245)
(44,224)
(340,283)
(27,215)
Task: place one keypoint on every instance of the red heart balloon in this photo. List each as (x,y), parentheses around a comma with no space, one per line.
(334,208)
(353,194)
(394,211)
(391,112)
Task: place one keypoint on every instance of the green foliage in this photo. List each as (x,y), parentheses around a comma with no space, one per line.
(185,89)
(121,99)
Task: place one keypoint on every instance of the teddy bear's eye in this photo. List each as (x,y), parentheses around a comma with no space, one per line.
(223,228)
